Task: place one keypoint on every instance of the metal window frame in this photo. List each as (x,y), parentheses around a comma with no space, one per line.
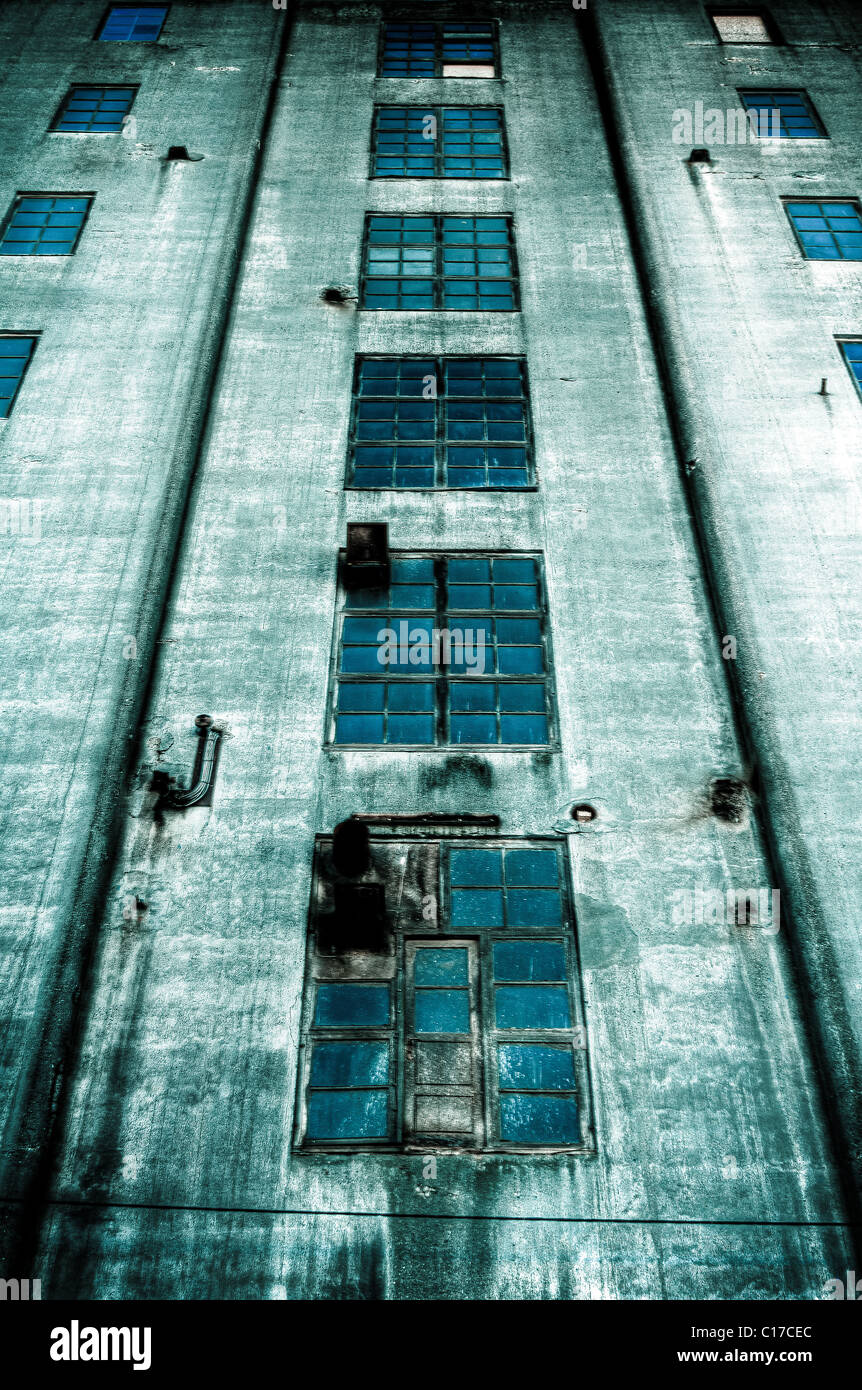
(439,361)
(437,275)
(714,12)
(109,10)
(439,154)
(35,334)
(821,202)
(439,27)
(789,91)
(840,340)
(44,193)
(134,87)
(393,967)
(441,711)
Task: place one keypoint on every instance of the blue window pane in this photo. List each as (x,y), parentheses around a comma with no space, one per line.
(476,868)
(477,908)
(443,966)
(473,728)
(44,226)
(442,1011)
(348,1115)
(97,109)
(534,907)
(532,867)
(521,661)
(412,696)
(533,1067)
(526,728)
(532,1119)
(411,728)
(15,354)
(344,1006)
(364,695)
(532,1006)
(529,960)
(359,728)
(474,697)
(350,1064)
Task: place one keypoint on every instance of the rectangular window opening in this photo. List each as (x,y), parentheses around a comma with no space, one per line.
(16,351)
(783,114)
(439,262)
(44,224)
(88,110)
(743,26)
(438,142)
(133,23)
(827,229)
(439,49)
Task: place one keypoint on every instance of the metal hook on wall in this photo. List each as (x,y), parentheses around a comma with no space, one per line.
(176,798)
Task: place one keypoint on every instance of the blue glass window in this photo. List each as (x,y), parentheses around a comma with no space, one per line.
(450,142)
(15,353)
(133,23)
(348,1114)
(852,354)
(506,888)
(352,1005)
(440,422)
(95,110)
(827,231)
(439,262)
(785,115)
(538,1119)
(447,49)
(452,652)
(44,225)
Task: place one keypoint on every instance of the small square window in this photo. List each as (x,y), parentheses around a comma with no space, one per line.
(829,230)
(44,224)
(782,114)
(95,110)
(16,350)
(743,26)
(133,23)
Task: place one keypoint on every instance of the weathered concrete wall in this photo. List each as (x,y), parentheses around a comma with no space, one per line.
(707,1109)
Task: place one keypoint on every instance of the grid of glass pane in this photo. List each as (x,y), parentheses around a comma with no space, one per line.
(440,422)
(852,353)
(44,226)
(451,653)
(796,118)
(15,354)
(439,262)
(142,23)
(408,50)
(829,231)
(435,50)
(348,1095)
(538,1103)
(453,142)
(505,888)
(96,110)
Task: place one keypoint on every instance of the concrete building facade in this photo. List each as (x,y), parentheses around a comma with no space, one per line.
(690,524)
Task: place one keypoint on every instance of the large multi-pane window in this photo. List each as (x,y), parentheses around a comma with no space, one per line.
(438,262)
(827,230)
(133,23)
(438,142)
(16,349)
(465,1028)
(95,110)
(444,49)
(454,650)
(447,422)
(851,351)
(44,224)
(785,115)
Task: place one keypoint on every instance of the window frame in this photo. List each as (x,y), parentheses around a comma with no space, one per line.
(393,966)
(441,442)
(44,193)
(822,202)
(749,12)
(436,110)
(109,10)
(33,337)
(439,26)
(133,87)
(441,707)
(787,91)
(854,338)
(438,275)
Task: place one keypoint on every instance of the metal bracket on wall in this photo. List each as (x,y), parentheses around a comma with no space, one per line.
(199,792)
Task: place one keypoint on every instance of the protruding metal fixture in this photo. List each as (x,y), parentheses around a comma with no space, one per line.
(338,294)
(366,560)
(823,386)
(583,813)
(351,853)
(727,799)
(699,156)
(180,153)
(176,798)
